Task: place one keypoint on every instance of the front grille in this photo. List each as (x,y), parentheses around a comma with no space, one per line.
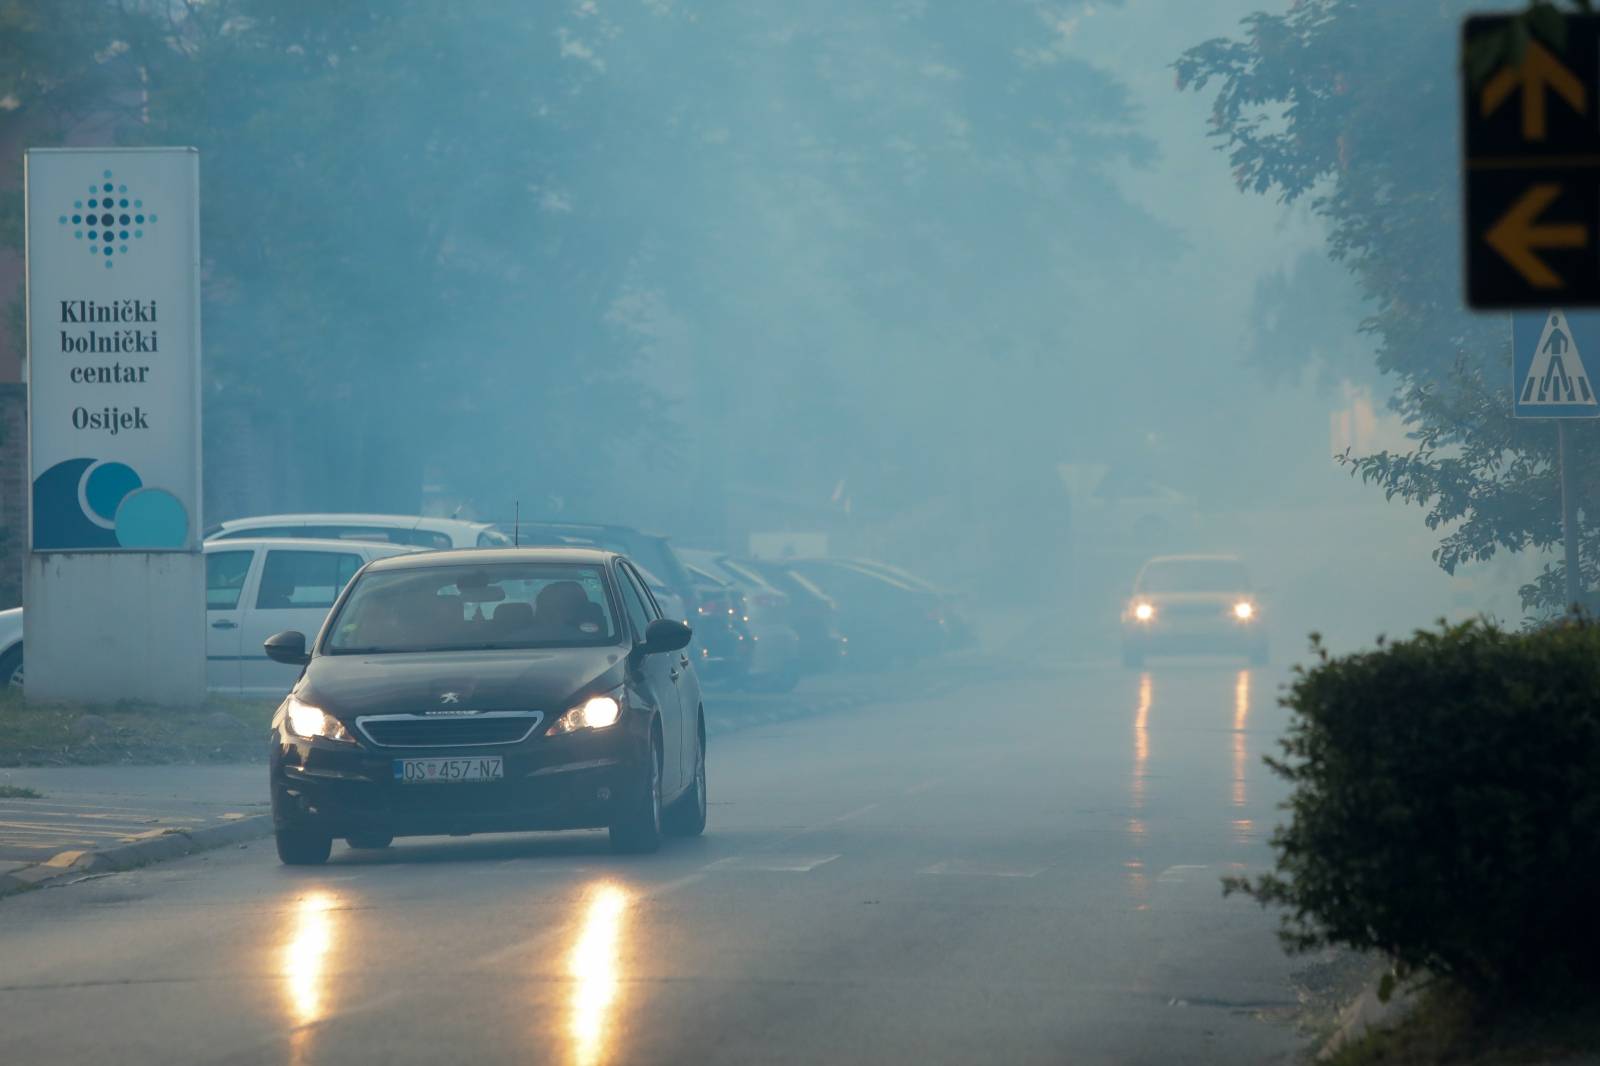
(448,731)
(1193,610)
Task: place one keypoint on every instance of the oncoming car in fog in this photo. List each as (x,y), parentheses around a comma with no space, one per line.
(1192,604)
(497,690)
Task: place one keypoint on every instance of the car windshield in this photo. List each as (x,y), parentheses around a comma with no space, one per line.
(1194,575)
(484,606)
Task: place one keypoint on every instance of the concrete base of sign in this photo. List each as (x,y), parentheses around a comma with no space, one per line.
(103,627)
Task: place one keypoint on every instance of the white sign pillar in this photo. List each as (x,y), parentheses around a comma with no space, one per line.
(114,592)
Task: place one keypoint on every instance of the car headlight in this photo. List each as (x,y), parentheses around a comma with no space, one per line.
(1244,610)
(1144,611)
(596,712)
(307,721)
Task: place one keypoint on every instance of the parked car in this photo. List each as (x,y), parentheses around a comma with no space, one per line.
(254,588)
(1193,604)
(488,691)
(811,612)
(416,530)
(775,646)
(886,620)
(721,629)
(956,616)
(11,643)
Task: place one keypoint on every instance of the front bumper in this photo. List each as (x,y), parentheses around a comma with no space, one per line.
(345,789)
(1194,637)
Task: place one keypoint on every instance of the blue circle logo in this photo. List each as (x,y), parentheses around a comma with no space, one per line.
(90,504)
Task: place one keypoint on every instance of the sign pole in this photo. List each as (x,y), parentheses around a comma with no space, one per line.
(1569,517)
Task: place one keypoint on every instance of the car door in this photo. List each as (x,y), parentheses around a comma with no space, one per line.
(660,674)
(295,590)
(687,683)
(227,572)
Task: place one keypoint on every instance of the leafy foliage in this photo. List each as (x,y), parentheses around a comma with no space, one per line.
(1446,805)
(1352,104)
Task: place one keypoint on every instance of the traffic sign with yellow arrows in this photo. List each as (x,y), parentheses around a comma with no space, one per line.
(1533,170)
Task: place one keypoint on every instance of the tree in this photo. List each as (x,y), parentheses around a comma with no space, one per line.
(1353,104)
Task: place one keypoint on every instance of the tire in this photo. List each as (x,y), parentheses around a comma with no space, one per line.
(370,841)
(11,671)
(303,847)
(636,825)
(687,816)
(1132,657)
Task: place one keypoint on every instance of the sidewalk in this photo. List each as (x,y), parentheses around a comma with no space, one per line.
(92,818)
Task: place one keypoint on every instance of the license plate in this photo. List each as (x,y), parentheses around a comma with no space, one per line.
(449,771)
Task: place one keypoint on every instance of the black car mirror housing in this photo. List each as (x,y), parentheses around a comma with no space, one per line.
(664,635)
(287,647)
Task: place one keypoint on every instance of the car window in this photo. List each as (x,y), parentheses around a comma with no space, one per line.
(481,606)
(633,603)
(225,574)
(295,579)
(651,607)
(1194,575)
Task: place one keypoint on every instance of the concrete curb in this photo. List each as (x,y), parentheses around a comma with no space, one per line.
(158,847)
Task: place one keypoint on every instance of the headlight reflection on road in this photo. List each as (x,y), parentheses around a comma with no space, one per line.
(304,966)
(1242,827)
(1141,752)
(593,967)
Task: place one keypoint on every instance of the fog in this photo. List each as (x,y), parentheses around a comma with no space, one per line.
(922,278)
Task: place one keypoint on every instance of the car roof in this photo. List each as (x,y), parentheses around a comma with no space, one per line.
(395,521)
(310,543)
(1193,559)
(469,556)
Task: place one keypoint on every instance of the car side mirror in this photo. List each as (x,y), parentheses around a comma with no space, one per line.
(666,634)
(288,647)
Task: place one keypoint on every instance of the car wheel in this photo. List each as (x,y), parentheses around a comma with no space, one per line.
(303,847)
(687,816)
(636,826)
(11,670)
(370,842)
(1132,656)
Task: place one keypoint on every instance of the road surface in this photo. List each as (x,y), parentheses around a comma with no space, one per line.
(1019,871)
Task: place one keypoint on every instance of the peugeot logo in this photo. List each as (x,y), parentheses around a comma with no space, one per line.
(450,697)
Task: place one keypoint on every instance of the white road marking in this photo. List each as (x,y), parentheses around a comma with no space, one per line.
(964,868)
(797,864)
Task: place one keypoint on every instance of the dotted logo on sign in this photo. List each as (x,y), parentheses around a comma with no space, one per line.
(108,220)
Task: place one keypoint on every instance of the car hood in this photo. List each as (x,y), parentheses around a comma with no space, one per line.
(544,680)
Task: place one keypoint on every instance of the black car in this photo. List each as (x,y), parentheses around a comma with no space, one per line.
(497,690)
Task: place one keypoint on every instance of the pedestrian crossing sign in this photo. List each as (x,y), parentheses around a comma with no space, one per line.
(1549,377)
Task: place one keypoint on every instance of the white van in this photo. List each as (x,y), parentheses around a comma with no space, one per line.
(254,588)
(414,530)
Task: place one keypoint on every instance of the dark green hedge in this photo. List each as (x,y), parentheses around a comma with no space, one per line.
(1446,805)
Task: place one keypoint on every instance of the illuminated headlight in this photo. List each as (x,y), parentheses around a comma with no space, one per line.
(596,712)
(307,721)
(1144,611)
(1244,610)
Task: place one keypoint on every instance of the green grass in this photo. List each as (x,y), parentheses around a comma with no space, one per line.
(34,734)
(1446,1026)
(18,792)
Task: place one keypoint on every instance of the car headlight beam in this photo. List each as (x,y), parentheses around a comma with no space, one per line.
(307,721)
(596,712)
(1144,611)
(1244,610)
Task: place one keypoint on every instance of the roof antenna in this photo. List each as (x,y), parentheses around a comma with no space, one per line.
(516,524)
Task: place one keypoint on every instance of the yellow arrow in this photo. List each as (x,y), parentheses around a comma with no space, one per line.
(1539,70)
(1517,234)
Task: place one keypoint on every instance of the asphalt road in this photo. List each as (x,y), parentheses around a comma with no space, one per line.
(1011,872)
